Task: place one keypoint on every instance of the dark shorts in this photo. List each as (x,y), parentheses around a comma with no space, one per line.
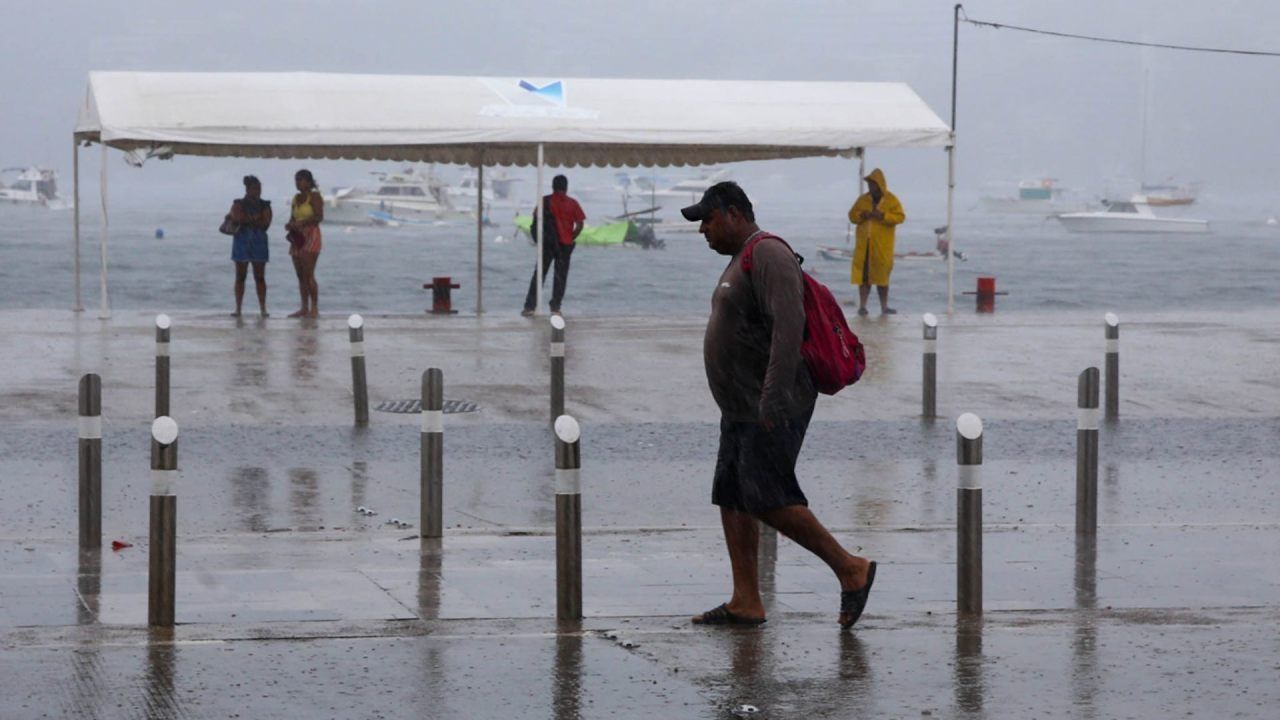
(250,245)
(756,468)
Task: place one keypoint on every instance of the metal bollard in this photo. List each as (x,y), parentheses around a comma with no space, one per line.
(359,387)
(431,488)
(568,520)
(557,367)
(1113,365)
(162,553)
(930,399)
(969,515)
(90,461)
(163,323)
(1087,454)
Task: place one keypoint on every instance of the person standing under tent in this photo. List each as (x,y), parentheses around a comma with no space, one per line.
(564,222)
(307,212)
(876,213)
(249,246)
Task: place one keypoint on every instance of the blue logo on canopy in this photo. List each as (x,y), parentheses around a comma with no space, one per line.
(552,92)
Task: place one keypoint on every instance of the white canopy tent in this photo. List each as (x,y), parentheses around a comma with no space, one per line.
(481,121)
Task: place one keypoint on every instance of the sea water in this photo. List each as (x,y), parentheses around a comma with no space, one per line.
(377,269)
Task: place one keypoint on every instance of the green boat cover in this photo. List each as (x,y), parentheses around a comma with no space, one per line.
(612,234)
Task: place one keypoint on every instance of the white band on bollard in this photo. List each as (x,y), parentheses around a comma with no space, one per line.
(1113,345)
(357,348)
(162,349)
(931,346)
(557,349)
(568,482)
(90,427)
(1086,418)
(970,477)
(162,481)
(432,421)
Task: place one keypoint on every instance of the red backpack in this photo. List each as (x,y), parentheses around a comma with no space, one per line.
(831,351)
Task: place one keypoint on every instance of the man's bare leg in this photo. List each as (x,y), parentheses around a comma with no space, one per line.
(742,538)
(864,291)
(799,523)
(883,291)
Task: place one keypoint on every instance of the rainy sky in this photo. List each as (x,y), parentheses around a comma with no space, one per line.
(1030,106)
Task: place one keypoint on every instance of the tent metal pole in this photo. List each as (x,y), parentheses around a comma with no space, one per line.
(951,161)
(480,233)
(75,215)
(862,171)
(951,248)
(104,309)
(537,232)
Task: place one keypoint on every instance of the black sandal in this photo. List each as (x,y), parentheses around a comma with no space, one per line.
(852,602)
(722,615)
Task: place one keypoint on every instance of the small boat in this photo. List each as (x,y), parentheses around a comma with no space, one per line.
(31,187)
(1034,197)
(1166,195)
(831,252)
(1129,217)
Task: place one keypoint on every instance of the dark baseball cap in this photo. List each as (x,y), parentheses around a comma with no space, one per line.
(718,197)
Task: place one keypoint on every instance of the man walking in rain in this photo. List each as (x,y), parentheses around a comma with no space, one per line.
(876,213)
(766,398)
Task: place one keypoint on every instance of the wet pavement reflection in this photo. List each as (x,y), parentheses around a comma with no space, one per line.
(566,691)
(430,563)
(1084,647)
(306,345)
(748,682)
(969,681)
(159,701)
(251,356)
(251,498)
(88,586)
(303,492)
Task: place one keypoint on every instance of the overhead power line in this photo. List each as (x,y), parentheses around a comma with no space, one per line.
(1115,41)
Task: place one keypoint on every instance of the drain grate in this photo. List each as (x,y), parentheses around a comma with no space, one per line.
(415,406)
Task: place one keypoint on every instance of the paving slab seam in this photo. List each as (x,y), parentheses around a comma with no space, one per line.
(501,629)
(339,536)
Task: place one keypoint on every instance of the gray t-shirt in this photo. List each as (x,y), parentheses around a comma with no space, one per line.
(752,344)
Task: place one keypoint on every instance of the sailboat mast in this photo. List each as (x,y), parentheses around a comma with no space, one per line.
(1142,160)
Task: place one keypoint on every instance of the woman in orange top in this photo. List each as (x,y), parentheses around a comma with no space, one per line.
(307,212)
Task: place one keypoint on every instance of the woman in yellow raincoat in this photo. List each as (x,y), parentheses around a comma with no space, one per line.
(876,213)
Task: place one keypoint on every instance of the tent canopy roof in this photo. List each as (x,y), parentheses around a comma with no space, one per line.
(500,121)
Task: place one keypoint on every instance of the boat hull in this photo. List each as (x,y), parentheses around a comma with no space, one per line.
(1117,223)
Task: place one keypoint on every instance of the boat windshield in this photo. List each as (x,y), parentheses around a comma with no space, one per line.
(1122,207)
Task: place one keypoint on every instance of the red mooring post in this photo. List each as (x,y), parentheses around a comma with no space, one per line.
(441,300)
(986,294)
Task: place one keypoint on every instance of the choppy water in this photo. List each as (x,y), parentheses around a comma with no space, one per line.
(376,269)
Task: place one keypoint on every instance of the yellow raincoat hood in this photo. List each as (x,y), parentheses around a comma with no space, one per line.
(878,178)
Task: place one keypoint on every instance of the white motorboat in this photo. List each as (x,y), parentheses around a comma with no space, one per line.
(1129,217)
(498,192)
(408,195)
(686,192)
(32,187)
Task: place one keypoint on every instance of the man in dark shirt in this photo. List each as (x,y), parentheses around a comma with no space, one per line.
(766,398)
(564,219)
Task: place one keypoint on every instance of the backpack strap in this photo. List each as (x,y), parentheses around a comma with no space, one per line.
(751,246)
